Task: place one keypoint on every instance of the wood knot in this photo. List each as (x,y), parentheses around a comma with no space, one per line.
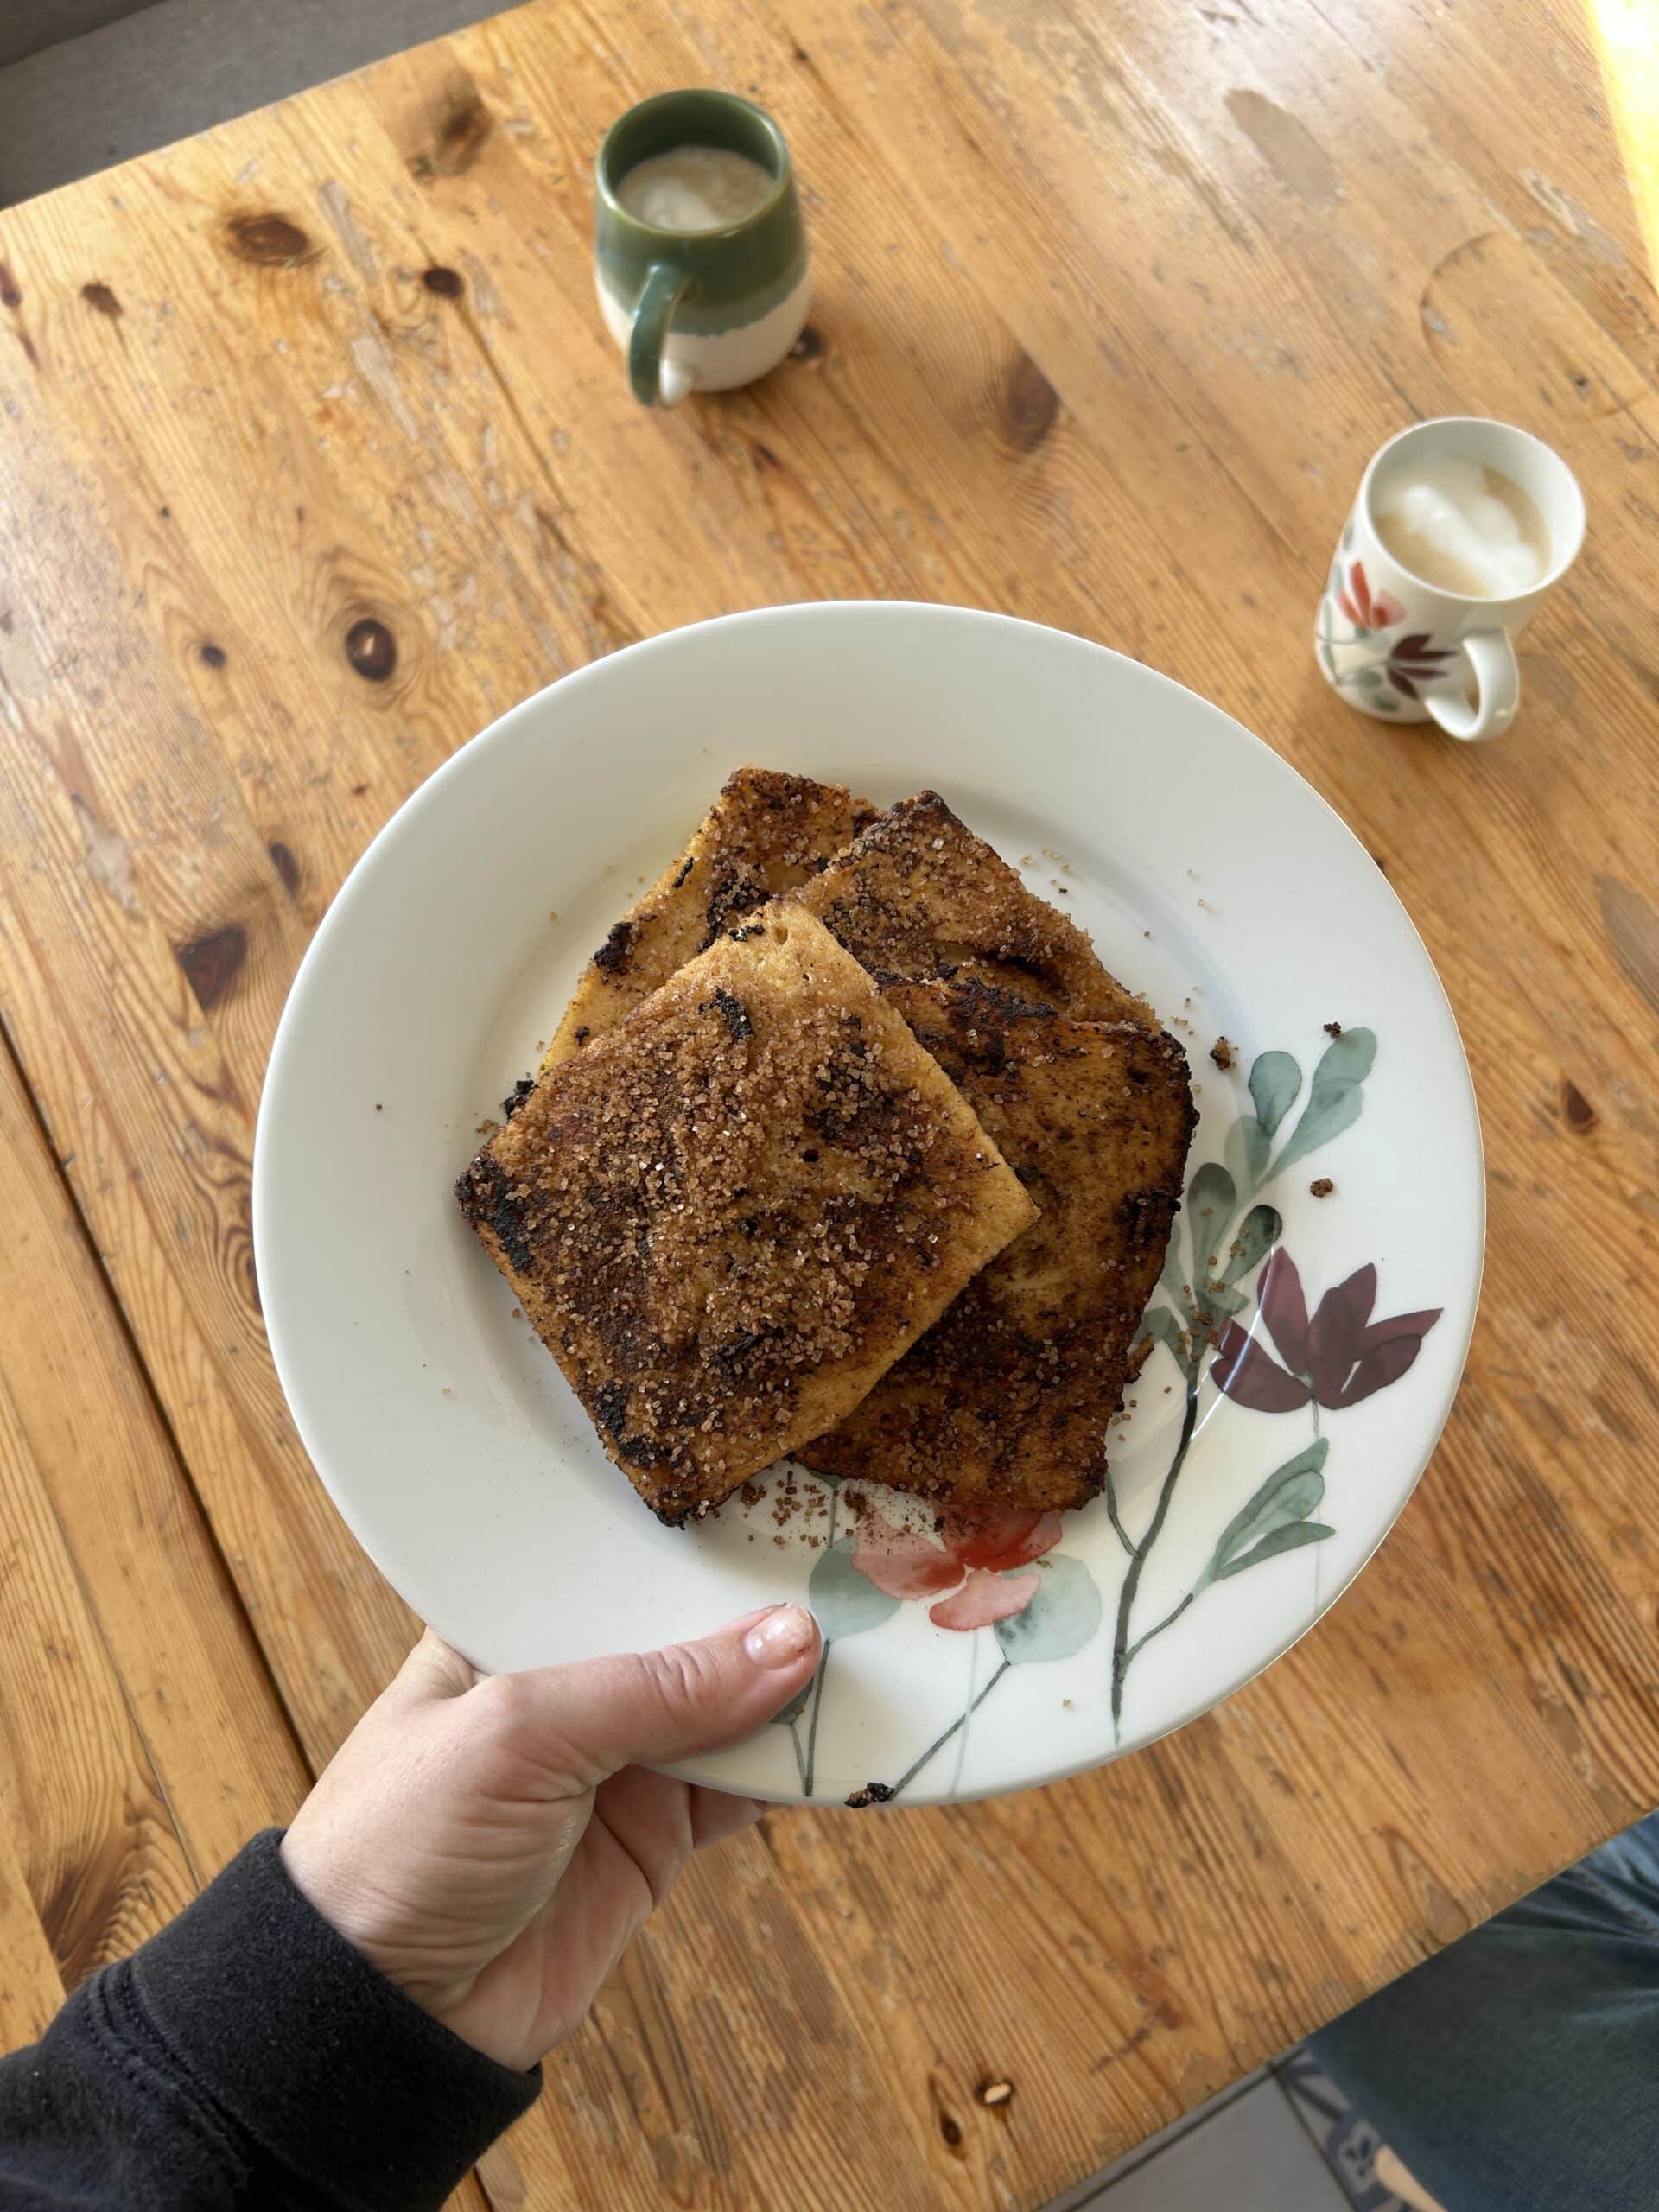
(462,134)
(372,649)
(1580,1115)
(811,346)
(269,241)
(463,128)
(11,292)
(213,656)
(282,860)
(448,283)
(213,962)
(101,299)
(1026,406)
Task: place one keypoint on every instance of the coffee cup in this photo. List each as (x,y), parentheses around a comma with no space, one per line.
(699,248)
(1461,528)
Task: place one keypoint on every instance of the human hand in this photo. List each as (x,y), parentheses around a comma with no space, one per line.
(491,1845)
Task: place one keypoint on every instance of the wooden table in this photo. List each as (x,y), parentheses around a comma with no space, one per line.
(314,459)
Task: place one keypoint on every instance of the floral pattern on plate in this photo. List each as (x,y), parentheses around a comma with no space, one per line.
(1003,1571)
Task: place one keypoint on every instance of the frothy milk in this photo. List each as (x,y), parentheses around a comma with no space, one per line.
(693,189)
(1463,528)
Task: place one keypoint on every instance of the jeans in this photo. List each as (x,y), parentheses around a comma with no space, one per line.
(1518,2071)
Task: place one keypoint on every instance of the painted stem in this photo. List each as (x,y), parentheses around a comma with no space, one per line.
(1126,1596)
(1123,1537)
(940,1741)
(1168,1621)
(812,1725)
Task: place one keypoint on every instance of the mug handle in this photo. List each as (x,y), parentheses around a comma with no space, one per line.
(1497,690)
(655,383)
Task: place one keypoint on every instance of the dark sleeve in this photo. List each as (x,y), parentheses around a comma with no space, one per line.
(247,2057)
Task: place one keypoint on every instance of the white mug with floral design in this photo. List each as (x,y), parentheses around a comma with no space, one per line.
(1408,650)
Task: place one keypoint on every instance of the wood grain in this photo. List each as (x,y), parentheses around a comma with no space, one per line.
(317,459)
(31,1987)
(140,1740)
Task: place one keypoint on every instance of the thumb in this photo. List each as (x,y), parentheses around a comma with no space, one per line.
(647,1707)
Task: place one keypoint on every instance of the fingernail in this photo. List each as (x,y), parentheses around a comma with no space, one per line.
(780,1637)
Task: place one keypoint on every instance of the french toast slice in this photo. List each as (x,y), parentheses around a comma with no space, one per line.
(767,832)
(728,1215)
(920,898)
(1006,1400)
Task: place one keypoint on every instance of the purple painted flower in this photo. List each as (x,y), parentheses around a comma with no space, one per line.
(1416,660)
(1339,1357)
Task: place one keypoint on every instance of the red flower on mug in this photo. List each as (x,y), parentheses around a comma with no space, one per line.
(1338,1357)
(971,1560)
(1360,609)
(1414,660)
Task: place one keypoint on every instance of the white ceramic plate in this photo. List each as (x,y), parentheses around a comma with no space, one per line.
(1212,878)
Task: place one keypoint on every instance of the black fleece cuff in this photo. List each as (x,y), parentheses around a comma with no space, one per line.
(288,2037)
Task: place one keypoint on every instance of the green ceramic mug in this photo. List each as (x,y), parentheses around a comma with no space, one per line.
(702,310)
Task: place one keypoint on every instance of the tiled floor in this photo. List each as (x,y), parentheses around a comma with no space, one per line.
(1281,2140)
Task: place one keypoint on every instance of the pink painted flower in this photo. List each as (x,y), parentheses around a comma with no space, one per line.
(970,1559)
(1362,610)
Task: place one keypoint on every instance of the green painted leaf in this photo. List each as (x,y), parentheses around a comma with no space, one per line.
(1258,1233)
(1162,1327)
(1336,576)
(1327,657)
(795,1708)
(1353,1055)
(1061,1618)
(1275,1081)
(1323,1117)
(1174,1273)
(1289,1494)
(1220,1300)
(1348,535)
(1385,704)
(1246,1153)
(1290,1538)
(1334,1097)
(1367,678)
(1212,1200)
(844,1602)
